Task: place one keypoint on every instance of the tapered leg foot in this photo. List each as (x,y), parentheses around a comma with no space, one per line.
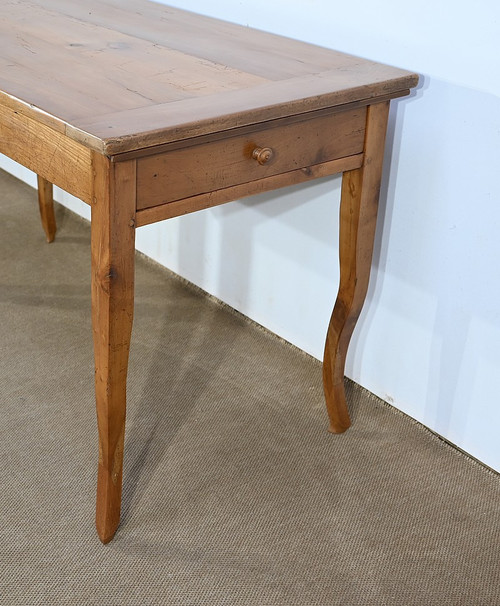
(109,489)
(333,384)
(358,216)
(46,204)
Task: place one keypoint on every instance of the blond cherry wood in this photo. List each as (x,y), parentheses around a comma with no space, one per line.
(194,170)
(112,249)
(221,196)
(147,112)
(128,74)
(262,155)
(358,217)
(48,152)
(46,205)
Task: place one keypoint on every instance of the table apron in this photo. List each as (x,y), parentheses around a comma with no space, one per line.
(49,153)
(234,161)
(229,194)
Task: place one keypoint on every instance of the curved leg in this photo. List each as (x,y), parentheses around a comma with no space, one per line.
(358,216)
(113,240)
(46,204)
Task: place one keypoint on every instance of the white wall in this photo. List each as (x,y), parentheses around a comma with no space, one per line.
(428,340)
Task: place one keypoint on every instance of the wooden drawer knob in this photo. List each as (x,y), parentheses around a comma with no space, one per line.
(262,154)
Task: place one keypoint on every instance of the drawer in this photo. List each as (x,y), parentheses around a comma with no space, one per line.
(242,158)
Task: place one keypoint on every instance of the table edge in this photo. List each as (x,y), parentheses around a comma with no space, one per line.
(127,143)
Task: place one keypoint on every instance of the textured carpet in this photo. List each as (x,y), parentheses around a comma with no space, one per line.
(234,493)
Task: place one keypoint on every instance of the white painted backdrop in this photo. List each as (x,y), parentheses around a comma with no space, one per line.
(428,340)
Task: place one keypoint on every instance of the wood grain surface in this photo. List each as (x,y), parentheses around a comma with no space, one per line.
(46,151)
(148,112)
(112,251)
(124,75)
(221,196)
(358,219)
(46,206)
(220,164)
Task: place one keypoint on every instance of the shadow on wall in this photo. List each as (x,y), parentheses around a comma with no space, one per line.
(425,337)
(438,239)
(385,218)
(265,255)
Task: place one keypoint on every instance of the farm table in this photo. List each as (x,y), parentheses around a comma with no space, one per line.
(147,112)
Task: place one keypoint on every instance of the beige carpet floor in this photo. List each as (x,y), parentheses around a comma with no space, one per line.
(235,493)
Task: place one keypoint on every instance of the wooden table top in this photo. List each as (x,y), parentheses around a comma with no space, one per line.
(121,75)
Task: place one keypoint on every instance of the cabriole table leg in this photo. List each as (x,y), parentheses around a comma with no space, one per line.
(358,216)
(113,243)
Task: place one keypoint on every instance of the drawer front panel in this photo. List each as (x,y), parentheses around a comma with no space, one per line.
(182,173)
